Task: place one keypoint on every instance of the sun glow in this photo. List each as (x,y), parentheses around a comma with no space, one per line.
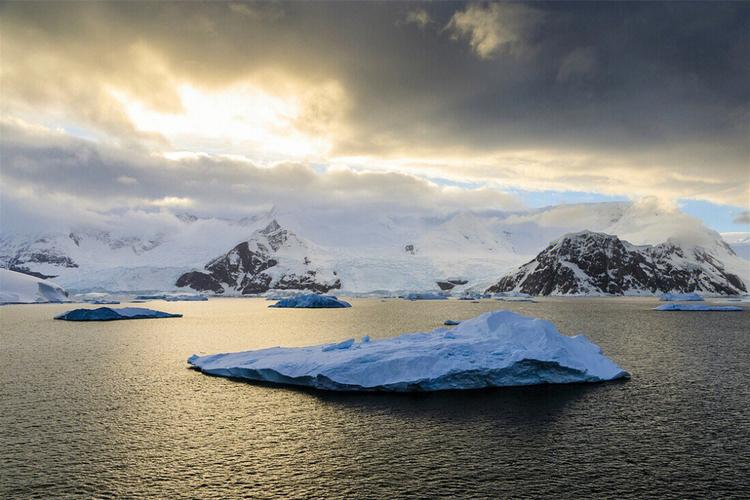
(237,120)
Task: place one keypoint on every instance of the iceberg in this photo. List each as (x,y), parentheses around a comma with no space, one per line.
(681,297)
(495,349)
(19,288)
(312,301)
(173,297)
(110,314)
(695,307)
(424,296)
(96,298)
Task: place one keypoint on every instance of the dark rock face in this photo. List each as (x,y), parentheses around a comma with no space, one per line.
(597,263)
(445,285)
(29,272)
(449,284)
(199,281)
(260,264)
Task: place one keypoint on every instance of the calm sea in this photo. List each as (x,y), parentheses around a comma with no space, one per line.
(112,410)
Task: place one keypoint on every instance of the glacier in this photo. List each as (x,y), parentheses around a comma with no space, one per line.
(696,307)
(684,297)
(19,288)
(494,349)
(112,314)
(311,301)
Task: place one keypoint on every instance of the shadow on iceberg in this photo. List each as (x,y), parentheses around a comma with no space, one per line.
(495,349)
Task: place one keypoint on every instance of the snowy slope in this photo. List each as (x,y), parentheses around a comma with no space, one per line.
(18,288)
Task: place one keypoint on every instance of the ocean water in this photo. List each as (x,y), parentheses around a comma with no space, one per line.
(112,410)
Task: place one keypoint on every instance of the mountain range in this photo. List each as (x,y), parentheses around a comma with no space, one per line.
(382,252)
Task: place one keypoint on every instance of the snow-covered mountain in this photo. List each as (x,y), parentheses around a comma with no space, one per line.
(378,251)
(588,263)
(273,258)
(739,242)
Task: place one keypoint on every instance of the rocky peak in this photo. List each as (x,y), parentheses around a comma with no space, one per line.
(596,263)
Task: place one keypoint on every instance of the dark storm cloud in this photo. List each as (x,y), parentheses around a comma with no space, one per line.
(659,85)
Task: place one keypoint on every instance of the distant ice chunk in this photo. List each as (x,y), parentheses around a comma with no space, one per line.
(425,296)
(96,298)
(695,307)
(19,288)
(495,349)
(312,301)
(110,314)
(681,297)
(173,297)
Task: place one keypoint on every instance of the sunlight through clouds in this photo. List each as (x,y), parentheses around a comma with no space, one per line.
(240,118)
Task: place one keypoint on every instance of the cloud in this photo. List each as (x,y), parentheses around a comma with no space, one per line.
(493,27)
(742,217)
(86,179)
(419,17)
(648,100)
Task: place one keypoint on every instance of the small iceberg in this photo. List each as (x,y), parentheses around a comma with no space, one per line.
(495,349)
(109,314)
(695,307)
(424,296)
(311,301)
(451,322)
(173,297)
(681,297)
(96,298)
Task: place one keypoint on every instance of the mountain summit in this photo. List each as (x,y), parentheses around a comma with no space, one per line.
(272,258)
(590,263)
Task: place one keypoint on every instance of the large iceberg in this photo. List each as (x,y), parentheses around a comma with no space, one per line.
(312,301)
(494,349)
(111,314)
(681,297)
(19,288)
(695,307)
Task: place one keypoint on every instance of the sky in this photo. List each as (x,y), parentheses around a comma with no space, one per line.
(229,108)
